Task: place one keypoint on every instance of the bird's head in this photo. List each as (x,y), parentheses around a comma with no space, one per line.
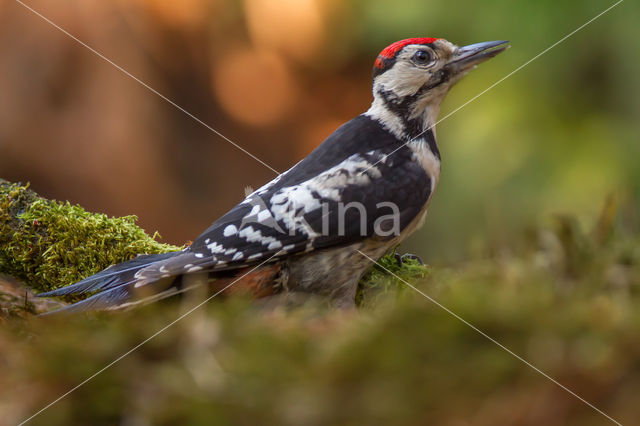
(411,78)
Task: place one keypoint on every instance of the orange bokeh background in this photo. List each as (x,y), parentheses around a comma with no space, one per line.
(263,73)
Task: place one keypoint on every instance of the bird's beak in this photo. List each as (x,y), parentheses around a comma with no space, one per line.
(468,57)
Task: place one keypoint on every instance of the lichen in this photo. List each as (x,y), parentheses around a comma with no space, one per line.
(49,244)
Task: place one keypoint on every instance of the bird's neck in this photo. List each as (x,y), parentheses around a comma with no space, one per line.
(407,117)
(412,120)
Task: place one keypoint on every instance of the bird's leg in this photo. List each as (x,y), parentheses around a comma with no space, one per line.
(407,256)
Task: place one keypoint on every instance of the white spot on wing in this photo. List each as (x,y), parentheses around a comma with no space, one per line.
(140,283)
(230,230)
(255,235)
(290,204)
(264,215)
(239,255)
(215,247)
(274,245)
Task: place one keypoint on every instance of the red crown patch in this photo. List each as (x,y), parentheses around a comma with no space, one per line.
(391,50)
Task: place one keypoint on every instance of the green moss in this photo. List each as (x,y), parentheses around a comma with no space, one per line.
(563,297)
(408,362)
(49,244)
(387,278)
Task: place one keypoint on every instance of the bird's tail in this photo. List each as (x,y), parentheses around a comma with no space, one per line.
(118,287)
(113,286)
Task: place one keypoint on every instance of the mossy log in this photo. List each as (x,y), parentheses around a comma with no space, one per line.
(48,244)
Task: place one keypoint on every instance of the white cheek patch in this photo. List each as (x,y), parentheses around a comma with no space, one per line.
(403,79)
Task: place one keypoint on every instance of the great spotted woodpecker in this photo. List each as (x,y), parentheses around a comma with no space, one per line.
(361,192)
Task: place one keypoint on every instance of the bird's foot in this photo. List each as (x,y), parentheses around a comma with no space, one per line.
(407,256)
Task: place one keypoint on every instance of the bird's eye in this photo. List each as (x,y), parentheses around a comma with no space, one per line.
(422,57)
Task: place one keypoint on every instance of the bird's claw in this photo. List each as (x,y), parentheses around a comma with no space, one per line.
(407,256)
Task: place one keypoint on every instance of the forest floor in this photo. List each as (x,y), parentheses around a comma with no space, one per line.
(477,345)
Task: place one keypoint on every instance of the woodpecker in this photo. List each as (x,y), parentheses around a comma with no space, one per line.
(316,227)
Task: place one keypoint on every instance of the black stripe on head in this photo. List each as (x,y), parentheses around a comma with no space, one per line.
(402,107)
(382,65)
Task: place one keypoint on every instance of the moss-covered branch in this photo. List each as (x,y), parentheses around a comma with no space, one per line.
(49,244)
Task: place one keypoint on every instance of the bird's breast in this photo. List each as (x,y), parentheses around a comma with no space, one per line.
(429,160)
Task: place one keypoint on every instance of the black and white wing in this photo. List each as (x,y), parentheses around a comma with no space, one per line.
(307,209)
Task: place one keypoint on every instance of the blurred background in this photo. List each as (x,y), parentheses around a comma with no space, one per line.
(278,76)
